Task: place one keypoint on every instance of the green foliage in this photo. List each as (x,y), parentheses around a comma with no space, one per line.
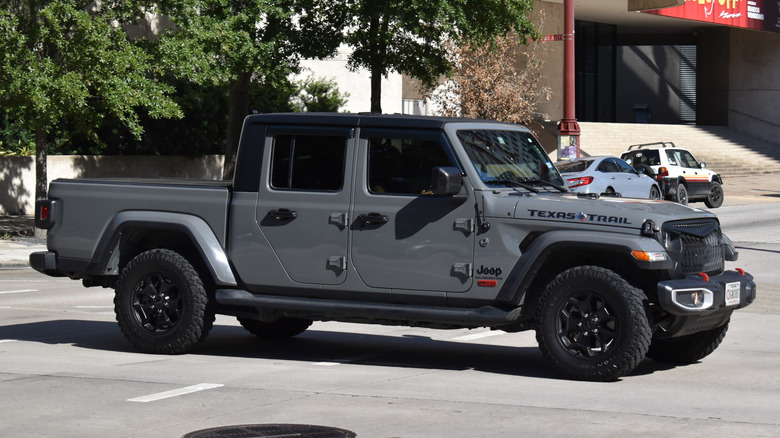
(66,60)
(14,139)
(318,95)
(411,36)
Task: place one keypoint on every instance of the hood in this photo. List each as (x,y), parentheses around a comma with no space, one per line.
(570,208)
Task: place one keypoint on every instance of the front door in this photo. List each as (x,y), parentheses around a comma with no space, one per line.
(303,206)
(404,237)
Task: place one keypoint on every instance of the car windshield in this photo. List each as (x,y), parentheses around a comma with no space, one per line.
(503,157)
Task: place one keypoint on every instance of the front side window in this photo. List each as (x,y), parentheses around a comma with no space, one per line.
(404,166)
(682,158)
(623,166)
(308,162)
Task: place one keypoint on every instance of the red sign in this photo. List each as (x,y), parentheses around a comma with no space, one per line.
(555,37)
(749,14)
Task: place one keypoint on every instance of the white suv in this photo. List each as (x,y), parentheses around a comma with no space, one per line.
(681,177)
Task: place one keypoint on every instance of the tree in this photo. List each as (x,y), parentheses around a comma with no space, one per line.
(410,36)
(67,60)
(497,81)
(238,42)
(318,95)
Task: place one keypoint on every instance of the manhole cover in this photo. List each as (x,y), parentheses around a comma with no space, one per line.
(272,431)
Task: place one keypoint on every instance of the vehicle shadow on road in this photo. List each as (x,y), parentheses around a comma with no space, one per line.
(322,347)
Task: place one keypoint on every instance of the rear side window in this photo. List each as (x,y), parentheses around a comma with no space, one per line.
(308,162)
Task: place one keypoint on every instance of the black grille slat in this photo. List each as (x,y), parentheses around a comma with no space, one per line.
(696,246)
(701,255)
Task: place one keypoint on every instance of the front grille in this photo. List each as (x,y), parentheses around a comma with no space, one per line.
(695,245)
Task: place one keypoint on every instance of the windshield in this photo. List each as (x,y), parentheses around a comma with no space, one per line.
(502,157)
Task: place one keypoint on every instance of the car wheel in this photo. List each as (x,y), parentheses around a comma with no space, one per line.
(160,303)
(279,329)
(592,325)
(654,192)
(687,349)
(682,195)
(715,196)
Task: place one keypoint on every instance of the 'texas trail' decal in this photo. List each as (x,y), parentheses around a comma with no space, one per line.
(582,217)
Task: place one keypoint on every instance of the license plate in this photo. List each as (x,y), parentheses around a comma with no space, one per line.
(732,294)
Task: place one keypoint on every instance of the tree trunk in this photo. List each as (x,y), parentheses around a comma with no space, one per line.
(238,102)
(376,90)
(41,158)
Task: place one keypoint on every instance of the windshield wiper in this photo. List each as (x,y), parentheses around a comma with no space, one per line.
(512,183)
(545,183)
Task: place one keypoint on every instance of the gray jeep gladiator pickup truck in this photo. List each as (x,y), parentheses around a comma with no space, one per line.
(403,220)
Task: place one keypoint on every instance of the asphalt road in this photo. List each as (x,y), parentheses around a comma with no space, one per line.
(66,371)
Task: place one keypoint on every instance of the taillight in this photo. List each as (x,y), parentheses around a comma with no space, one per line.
(45,213)
(582,181)
(662,172)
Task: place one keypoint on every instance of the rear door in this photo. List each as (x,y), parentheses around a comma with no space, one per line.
(403,237)
(303,205)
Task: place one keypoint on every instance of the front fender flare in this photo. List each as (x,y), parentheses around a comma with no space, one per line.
(532,260)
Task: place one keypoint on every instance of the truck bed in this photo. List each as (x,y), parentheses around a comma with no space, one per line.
(87,208)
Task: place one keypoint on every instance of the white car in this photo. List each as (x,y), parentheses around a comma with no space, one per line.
(607,175)
(682,178)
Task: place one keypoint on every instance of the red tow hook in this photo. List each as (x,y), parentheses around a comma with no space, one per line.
(704,276)
(741,271)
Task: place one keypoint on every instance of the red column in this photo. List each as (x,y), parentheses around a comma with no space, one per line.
(568,129)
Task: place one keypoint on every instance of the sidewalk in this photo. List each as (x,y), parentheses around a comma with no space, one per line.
(17,243)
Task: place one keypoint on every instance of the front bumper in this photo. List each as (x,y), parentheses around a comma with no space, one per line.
(716,298)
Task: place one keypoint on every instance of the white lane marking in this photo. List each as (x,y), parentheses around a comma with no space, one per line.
(175,392)
(344,360)
(94,307)
(20,291)
(481,335)
(3,341)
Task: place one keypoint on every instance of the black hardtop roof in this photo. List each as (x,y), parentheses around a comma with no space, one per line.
(363,120)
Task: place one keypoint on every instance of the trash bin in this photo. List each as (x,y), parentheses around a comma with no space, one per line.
(641,113)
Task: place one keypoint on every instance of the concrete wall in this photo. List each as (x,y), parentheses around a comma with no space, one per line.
(754,84)
(17,174)
(549,17)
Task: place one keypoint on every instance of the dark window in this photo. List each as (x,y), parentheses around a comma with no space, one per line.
(623,166)
(608,166)
(308,162)
(402,165)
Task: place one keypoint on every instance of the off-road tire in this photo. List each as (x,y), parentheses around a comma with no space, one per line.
(160,303)
(279,329)
(655,193)
(682,195)
(592,325)
(687,349)
(715,196)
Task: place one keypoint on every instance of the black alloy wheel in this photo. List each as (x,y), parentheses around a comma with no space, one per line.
(592,324)
(160,303)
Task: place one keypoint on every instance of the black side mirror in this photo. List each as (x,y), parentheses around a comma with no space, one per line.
(446,181)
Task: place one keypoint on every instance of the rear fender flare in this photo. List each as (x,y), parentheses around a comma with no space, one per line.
(106,255)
